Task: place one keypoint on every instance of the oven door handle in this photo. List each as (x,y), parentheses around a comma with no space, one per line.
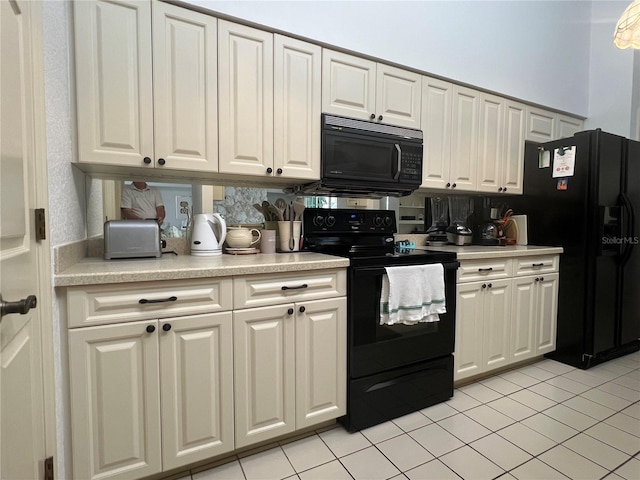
(399,167)
(454,265)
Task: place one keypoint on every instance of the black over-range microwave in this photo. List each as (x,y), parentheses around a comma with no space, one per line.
(361,158)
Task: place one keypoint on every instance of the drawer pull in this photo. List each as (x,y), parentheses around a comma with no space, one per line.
(160,300)
(304,285)
(485,269)
(537,264)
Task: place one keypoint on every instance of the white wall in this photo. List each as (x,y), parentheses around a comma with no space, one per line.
(537,51)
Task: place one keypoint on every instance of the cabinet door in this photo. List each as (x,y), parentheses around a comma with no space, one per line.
(398,96)
(115,400)
(469,328)
(196,372)
(513,155)
(321,361)
(436,126)
(567,126)
(264,373)
(113,82)
(297,103)
(464,138)
(497,317)
(523,318)
(547,313)
(185,88)
(490,146)
(541,125)
(245,83)
(348,85)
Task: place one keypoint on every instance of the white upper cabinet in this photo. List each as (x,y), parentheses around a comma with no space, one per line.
(113,82)
(185,88)
(245,82)
(464,138)
(359,88)
(501,147)
(436,126)
(297,108)
(120,96)
(567,126)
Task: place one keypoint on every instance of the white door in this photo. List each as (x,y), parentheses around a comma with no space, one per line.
(398,96)
(264,371)
(547,313)
(321,361)
(523,324)
(513,162)
(464,138)
(436,126)
(490,149)
(469,328)
(22,433)
(497,319)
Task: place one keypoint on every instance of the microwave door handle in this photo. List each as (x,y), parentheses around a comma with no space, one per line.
(397,175)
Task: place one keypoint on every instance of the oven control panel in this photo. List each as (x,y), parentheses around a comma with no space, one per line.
(339,221)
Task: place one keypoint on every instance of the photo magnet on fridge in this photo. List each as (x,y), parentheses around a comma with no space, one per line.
(563,183)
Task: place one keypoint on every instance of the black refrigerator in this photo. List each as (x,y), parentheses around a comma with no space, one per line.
(583,193)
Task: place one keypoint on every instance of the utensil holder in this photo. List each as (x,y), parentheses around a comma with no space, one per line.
(284,234)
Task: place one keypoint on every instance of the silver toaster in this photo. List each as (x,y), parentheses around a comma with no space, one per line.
(131,239)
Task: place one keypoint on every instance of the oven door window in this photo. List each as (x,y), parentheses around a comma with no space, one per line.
(376,347)
(354,157)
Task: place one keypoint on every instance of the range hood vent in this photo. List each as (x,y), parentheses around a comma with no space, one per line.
(349,191)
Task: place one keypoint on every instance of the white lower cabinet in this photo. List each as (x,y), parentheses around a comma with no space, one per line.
(482,326)
(165,374)
(150,396)
(507,316)
(290,367)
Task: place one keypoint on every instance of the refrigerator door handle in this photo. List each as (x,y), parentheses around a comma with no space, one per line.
(628,218)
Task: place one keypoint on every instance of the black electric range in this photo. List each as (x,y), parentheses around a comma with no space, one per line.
(393,370)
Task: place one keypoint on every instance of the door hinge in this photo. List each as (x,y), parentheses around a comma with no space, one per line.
(48,468)
(41,226)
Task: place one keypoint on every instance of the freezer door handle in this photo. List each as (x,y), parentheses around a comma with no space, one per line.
(627,229)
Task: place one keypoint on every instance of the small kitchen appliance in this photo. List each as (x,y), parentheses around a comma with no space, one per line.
(392,370)
(460,209)
(209,233)
(437,232)
(132,239)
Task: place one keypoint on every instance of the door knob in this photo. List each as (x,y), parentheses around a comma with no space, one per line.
(21,306)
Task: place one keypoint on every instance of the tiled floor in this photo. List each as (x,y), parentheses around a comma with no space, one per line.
(542,421)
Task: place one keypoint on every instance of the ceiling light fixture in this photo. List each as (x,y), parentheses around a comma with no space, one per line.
(627,32)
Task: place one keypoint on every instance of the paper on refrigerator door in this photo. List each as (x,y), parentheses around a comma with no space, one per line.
(564,162)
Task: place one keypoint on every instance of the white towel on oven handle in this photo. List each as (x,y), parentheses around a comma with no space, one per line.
(412,294)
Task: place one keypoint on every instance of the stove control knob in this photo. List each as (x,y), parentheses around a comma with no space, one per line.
(331,221)
(377,221)
(388,221)
(318,220)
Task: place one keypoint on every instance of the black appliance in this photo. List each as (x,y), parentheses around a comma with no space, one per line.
(367,159)
(392,370)
(592,214)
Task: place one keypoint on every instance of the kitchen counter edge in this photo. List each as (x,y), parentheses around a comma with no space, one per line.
(479,252)
(96,271)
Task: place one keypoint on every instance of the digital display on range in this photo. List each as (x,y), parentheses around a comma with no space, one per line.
(356,218)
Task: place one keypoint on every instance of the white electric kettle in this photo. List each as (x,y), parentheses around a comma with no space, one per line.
(209,232)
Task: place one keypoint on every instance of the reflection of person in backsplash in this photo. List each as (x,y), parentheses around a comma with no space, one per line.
(139,201)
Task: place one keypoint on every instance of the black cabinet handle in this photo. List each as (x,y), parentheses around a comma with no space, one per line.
(146,160)
(485,269)
(537,264)
(166,327)
(302,309)
(161,161)
(490,285)
(500,189)
(484,285)
(542,279)
(380,118)
(372,116)
(151,328)
(279,171)
(269,170)
(304,285)
(448,185)
(290,311)
(159,300)
(453,186)
(504,189)
(537,279)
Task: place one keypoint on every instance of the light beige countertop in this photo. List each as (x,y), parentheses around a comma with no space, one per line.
(95,271)
(479,252)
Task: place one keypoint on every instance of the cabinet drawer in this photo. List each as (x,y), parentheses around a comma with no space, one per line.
(273,289)
(537,264)
(474,270)
(103,304)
